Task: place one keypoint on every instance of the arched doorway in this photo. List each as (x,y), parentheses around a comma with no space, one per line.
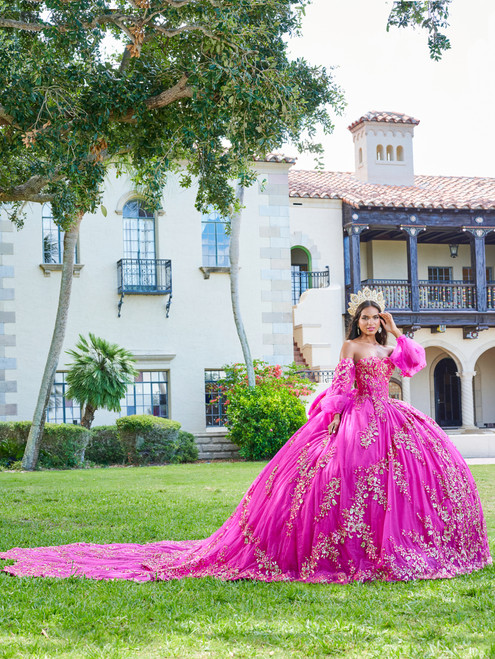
(447,394)
(300,262)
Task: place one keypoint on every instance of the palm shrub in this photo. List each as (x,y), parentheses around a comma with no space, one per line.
(99,376)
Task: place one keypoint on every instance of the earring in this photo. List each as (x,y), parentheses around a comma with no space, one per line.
(358,331)
(379,330)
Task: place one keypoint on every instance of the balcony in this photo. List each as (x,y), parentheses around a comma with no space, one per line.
(144,277)
(303,280)
(452,295)
(452,303)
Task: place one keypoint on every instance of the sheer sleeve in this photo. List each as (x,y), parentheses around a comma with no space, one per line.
(408,356)
(334,398)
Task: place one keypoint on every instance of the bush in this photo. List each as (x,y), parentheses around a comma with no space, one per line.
(105,447)
(146,438)
(187,450)
(62,445)
(262,419)
(13,438)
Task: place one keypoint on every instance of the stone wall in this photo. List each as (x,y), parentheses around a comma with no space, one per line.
(214,445)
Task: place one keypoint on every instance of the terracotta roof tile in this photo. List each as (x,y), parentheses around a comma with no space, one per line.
(386,117)
(277,157)
(445,192)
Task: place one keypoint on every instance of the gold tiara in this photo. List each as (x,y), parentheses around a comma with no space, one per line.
(363,296)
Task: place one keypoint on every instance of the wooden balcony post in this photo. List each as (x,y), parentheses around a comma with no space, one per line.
(354,232)
(478,263)
(412,262)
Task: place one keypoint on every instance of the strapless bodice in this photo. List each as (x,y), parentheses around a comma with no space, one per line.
(373,375)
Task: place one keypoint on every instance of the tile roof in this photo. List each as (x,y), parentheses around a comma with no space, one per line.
(444,192)
(386,117)
(276,157)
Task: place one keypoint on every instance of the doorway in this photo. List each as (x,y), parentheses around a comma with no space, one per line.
(448,411)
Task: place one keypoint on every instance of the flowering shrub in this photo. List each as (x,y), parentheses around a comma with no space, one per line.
(261,420)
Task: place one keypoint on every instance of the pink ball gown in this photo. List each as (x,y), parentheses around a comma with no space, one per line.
(386,497)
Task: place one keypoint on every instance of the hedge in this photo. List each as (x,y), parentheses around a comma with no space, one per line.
(148,439)
(105,447)
(63,445)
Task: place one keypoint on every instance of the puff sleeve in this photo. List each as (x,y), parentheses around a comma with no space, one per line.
(408,356)
(333,399)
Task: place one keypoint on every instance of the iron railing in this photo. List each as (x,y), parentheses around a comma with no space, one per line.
(144,276)
(319,377)
(302,281)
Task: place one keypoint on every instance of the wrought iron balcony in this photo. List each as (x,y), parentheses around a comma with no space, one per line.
(302,281)
(144,277)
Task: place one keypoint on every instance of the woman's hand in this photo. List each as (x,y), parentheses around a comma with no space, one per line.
(334,424)
(388,323)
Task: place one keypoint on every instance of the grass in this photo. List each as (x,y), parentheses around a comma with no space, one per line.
(204,617)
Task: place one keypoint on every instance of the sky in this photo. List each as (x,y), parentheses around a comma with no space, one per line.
(454,99)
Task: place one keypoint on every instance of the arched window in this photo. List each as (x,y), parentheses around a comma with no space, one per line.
(139,231)
(215,240)
(395,390)
(379,152)
(360,156)
(390,153)
(400,153)
(53,238)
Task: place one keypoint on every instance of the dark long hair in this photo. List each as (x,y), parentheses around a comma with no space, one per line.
(352,332)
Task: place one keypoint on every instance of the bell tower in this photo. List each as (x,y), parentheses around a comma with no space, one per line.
(383,148)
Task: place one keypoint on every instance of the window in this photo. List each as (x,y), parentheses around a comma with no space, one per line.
(61,409)
(438,274)
(390,152)
(400,153)
(379,152)
(139,231)
(468,275)
(148,394)
(360,156)
(53,238)
(215,240)
(214,399)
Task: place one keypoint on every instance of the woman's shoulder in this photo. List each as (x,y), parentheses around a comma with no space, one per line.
(348,349)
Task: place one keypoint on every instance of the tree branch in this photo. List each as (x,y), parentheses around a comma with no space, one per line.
(178,91)
(6,119)
(30,190)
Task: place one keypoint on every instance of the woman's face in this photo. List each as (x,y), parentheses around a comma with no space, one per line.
(369,321)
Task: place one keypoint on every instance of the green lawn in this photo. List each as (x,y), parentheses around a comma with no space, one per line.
(204,617)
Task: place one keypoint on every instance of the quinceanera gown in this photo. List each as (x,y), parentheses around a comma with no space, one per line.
(386,497)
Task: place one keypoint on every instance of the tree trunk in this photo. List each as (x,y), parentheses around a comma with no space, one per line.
(235,230)
(88,416)
(31,452)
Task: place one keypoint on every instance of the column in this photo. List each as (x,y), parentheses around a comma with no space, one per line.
(467,399)
(478,264)
(412,262)
(406,389)
(354,232)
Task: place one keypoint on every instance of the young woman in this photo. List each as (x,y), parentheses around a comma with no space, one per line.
(369,488)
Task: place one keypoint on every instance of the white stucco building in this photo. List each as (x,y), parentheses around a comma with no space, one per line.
(308,240)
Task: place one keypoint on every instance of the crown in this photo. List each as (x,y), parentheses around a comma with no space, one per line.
(363,296)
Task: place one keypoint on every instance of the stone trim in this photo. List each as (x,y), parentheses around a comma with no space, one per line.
(8,362)
(214,445)
(48,268)
(276,294)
